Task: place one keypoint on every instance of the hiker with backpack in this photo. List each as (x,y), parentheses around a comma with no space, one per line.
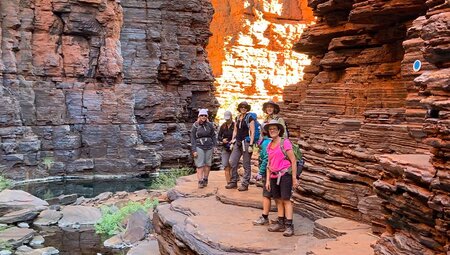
(263,161)
(224,137)
(203,140)
(272,109)
(281,172)
(246,129)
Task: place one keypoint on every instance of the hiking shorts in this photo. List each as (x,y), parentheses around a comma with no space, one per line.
(266,193)
(204,158)
(284,190)
(225,158)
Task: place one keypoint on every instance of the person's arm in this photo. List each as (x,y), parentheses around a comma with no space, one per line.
(234,132)
(213,135)
(193,139)
(264,160)
(251,131)
(268,177)
(221,131)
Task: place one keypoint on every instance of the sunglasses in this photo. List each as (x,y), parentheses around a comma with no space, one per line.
(203,115)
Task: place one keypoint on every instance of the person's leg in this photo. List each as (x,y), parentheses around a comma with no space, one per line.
(264,218)
(286,194)
(226,164)
(289,212)
(279,225)
(234,162)
(246,163)
(207,167)
(266,205)
(276,195)
(199,163)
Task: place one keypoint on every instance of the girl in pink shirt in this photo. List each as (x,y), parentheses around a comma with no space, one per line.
(282,172)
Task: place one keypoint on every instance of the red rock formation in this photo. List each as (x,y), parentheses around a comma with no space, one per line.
(98,86)
(250,49)
(368,123)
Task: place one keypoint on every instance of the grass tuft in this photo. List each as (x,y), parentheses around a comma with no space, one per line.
(167,180)
(112,217)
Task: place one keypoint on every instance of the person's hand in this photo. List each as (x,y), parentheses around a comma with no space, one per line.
(195,154)
(294,182)
(225,140)
(268,185)
(250,149)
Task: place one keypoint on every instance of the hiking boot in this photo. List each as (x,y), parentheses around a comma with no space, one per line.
(243,188)
(201,184)
(261,221)
(231,185)
(289,230)
(205,182)
(259,184)
(277,227)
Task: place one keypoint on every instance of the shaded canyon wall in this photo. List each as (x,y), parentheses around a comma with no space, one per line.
(375,133)
(100,87)
(251,49)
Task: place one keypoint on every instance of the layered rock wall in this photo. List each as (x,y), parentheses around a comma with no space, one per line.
(364,120)
(98,86)
(250,50)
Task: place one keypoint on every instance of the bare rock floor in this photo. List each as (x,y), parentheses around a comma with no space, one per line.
(215,220)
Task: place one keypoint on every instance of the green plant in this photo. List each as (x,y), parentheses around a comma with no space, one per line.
(168,179)
(48,194)
(48,162)
(4,183)
(111,221)
(5,245)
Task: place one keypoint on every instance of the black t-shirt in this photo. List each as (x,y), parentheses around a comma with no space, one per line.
(225,132)
(242,128)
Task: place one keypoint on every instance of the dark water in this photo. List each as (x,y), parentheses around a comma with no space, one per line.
(76,242)
(87,188)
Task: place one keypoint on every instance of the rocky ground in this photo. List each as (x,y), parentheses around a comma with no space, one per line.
(188,220)
(214,220)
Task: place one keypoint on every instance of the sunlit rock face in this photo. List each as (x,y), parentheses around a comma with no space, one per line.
(100,86)
(250,50)
(374,132)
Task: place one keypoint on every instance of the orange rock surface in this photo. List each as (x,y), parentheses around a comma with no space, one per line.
(250,50)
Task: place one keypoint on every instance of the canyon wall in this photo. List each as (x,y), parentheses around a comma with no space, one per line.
(375,133)
(100,86)
(251,49)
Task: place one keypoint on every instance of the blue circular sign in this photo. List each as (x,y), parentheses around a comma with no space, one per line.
(417,65)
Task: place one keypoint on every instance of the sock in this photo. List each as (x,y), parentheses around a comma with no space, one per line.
(265,216)
(288,222)
(281,219)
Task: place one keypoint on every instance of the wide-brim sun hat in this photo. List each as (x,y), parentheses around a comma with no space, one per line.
(276,107)
(244,104)
(274,123)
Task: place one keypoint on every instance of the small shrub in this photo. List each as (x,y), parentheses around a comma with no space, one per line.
(111,221)
(4,183)
(48,194)
(5,245)
(167,180)
(48,162)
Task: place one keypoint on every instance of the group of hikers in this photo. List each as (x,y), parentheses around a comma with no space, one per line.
(277,162)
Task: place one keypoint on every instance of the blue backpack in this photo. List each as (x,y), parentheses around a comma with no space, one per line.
(257,133)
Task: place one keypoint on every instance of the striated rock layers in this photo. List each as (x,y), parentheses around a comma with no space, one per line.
(251,49)
(375,133)
(98,86)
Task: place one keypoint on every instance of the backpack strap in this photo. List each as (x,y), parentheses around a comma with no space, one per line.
(282,148)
